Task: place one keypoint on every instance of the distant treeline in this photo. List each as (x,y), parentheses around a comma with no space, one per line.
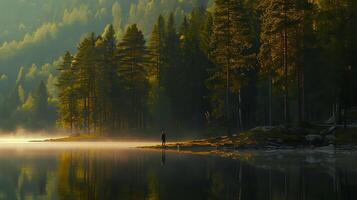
(234,66)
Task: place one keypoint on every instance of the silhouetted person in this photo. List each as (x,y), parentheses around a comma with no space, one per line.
(163,139)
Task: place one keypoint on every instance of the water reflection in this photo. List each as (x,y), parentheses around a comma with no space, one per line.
(163,157)
(139,174)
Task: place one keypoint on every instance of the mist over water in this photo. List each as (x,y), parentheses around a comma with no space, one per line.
(23,139)
(25,143)
(24,135)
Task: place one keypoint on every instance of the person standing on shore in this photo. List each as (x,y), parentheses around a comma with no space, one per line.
(163,138)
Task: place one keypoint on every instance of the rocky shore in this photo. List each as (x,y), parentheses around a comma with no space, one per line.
(278,137)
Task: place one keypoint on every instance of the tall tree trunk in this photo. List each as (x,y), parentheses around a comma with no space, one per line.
(158,96)
(240,120)
(71,121)
(299,90)
(85,116)
(300,72)
(286,84)
(88,115)
(270,99)
(227,101)
(228,72)
(302,93)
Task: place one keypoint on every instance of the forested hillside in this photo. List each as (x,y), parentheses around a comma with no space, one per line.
(226,66)
(33,38)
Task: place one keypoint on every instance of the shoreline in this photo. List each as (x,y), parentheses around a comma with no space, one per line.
(260,138)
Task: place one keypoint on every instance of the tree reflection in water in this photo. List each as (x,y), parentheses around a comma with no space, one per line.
(139,174)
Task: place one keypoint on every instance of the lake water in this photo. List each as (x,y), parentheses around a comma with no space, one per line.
(72,171)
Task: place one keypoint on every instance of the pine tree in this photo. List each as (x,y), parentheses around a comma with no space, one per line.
(306,48)
(85,65)
(231,44)
(41,102)
(279,46)
(158,99)
(193,71)
(29,103)
(336,35)
(21,93)
(132,72)
(107,80)
(67,110)
(13,101)
(156,47)
(172,80)
(20,76)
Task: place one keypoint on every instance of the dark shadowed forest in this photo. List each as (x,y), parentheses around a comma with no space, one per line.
(219,66)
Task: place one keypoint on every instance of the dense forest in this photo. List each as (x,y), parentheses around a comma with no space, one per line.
(230,66)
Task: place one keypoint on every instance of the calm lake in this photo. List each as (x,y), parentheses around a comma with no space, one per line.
(39,171)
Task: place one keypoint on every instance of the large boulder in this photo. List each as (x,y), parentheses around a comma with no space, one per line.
(314,139)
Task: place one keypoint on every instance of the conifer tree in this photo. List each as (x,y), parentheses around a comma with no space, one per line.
(85,85)
(21,93)
(195,63)
(231,44)
(132,54)
(13,100)
(29,103)
(107,79)
(20,76)
(279,46)
(67,109)
(172,72)
(158,98)
(41,102)
(156,48)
